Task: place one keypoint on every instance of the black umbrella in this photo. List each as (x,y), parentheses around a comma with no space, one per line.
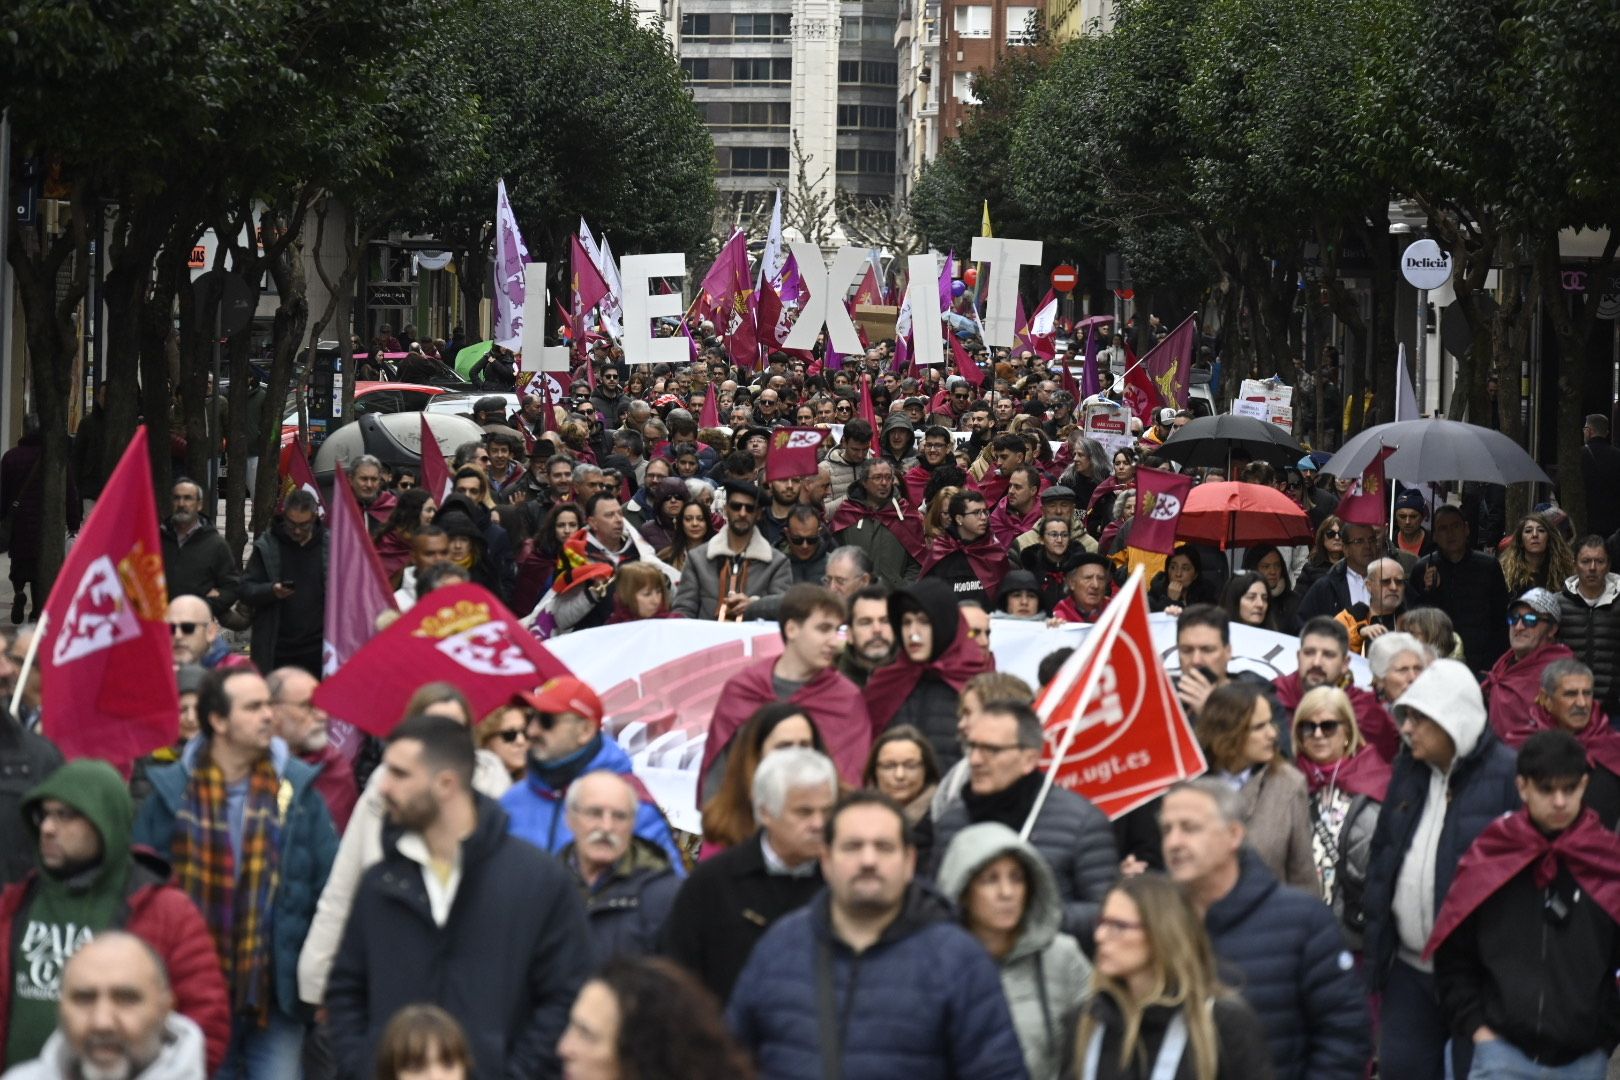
(1211,441)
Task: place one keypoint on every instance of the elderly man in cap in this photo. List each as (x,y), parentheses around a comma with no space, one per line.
(1514,680)
(1089,588)
(1058,503)
(566,741)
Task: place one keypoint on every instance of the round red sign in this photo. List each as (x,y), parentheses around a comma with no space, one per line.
(1065,278)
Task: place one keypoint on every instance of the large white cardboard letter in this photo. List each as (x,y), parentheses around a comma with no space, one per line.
(537,355)
(824,306)
(642,306)
(1006,257)
(928,346)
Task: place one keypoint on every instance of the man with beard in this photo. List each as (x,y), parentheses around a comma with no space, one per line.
(285,584)
(625,882)
(196,559)
(1567,702)
(805,675)
(1324,660)
(736,575)
(965,556)
(875,519)
(195,632)
(1021,509)
(423,923)
(871,635)
(773,523)
(117,1020)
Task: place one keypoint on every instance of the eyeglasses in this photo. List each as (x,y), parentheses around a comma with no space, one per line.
(512,735)
(969,748)
(900,766)
(980,512)
(1530,619)
(803,541)
(742,508)
(1312,728)
(183,628)
(1117,926)
(833,582)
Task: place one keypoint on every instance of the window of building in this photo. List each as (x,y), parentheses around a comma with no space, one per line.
(962,87)
(748,114)
(868,73)
(973,21)
(1020,25)
(866,161)
(866,117)
(868,30)
(762,69)
(695,26)
(696,70)
(759,27)
(754,160)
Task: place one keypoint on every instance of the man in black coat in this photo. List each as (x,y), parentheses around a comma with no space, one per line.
(459,913)
(196,559)
(725,907)
(1600,472)
(1467,585)
(1344,586)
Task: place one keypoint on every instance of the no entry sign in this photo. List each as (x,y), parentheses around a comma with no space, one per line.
(1065,278)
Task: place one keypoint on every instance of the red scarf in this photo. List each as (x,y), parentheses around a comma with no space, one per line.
(893,515)
(1362,773)
(1602,742)
(988,558)
(1069,611)
(1511,844)
(892,683)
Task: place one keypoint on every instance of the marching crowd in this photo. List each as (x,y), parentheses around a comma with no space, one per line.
(1417,878)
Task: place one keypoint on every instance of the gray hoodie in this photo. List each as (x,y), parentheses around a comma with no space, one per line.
(1448,694)
(182,1056)
(1045,976)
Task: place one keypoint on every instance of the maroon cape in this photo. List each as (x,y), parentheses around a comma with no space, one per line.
(394,552)
(892,683)
(1602,742)
(1512,843)
(917,478)
(988,558)
(831,701)
(903,522)
(1511,690)
(1007,524)
(1376,725)
(1362,773)
(992,485)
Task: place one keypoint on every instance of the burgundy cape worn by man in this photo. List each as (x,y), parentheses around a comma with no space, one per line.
(1362,773)
(1511,844)
(1007,524)
(894,515)
(987,558)
(1376,725)
(1600,740)
(1512,686)
(832,702)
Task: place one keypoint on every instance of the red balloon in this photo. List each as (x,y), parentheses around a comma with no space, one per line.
(971,276)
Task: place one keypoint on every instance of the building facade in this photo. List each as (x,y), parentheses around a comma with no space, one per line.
(1066,19)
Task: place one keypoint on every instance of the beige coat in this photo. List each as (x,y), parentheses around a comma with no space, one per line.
(1277,814)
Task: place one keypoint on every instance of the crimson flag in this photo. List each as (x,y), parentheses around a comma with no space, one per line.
(768,316)
(106,660)
(356,575)
(964,363)
(1168,364)
(867,411)
(720,283)
(436,476)
(870,292)
(793,453)
(297,475)
(1112,703)
(588,287)
(711,408)
(1367,501)
(1139,392)
(1160,496)
(461,635)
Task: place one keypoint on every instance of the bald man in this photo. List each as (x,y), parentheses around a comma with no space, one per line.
(195,632)
(1386,601)
(117,1019)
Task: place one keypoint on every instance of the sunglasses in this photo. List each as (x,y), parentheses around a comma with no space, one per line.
(803,541)
(544,721)
(1333,534)
(405,485)
(512,735)
(1530,619)
(183,627)
(1312,728)
(742,508)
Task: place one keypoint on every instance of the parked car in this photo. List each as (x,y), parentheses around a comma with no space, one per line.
(373,398)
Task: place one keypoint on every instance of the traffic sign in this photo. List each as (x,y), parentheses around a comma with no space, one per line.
(1065,278)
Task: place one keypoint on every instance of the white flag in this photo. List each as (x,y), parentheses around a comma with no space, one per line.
(902,322)
(1044,324)
(772,260)
(510,257)
(1406,407)
(613,303)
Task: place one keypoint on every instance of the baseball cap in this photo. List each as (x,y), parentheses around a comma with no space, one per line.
(564,694)
(1540,601)
(1166,415)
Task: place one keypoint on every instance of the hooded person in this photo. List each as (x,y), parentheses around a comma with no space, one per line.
(935,658)
(471,524)
(1451,779)
(89,879)
(1020,597)
(898,442)
(987,871)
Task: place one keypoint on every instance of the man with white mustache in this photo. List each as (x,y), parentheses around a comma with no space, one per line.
(626,882)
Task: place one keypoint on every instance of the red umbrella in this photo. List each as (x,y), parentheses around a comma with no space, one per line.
(1230,515)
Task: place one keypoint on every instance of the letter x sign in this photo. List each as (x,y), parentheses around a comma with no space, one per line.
(824,306)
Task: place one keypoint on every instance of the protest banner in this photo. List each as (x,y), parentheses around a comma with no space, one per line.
(1109,424)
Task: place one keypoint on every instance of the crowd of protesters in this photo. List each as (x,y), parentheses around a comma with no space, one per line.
(1418,876)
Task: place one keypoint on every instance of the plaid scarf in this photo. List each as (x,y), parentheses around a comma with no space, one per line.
(235,905)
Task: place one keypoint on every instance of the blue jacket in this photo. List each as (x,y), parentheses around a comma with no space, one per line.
(536,808)
(308,845)
(923,1003)
(1480,790)
(1281,948)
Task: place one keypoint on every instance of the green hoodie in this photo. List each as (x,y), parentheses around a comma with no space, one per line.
(61,914)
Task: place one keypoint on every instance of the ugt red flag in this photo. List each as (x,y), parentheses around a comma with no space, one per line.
(792,453)
(1169,363)
(356,575)
(436,476)
(1130,740)
(1367,501)
(106,660)
(1160,495)
(461,635)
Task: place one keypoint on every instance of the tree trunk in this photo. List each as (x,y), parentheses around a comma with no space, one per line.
(292,317)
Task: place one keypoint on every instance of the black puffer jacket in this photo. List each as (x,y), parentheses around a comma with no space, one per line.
(1593,631)
(25,760)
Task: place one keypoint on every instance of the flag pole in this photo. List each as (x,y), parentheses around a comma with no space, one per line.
(28,661)
(1103,635)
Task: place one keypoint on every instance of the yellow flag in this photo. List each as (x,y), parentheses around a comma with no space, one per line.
(984,229)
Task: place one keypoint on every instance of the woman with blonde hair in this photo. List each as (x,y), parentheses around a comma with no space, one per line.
(1346,780)
(1157,1008)
(1240,740)
(1537,555)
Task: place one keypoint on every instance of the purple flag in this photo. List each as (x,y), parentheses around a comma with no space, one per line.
(510,255)
(356,575)
(1090,380)
(947,301)
(790,283)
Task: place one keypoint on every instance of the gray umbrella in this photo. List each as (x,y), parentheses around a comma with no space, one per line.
(1438,450)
